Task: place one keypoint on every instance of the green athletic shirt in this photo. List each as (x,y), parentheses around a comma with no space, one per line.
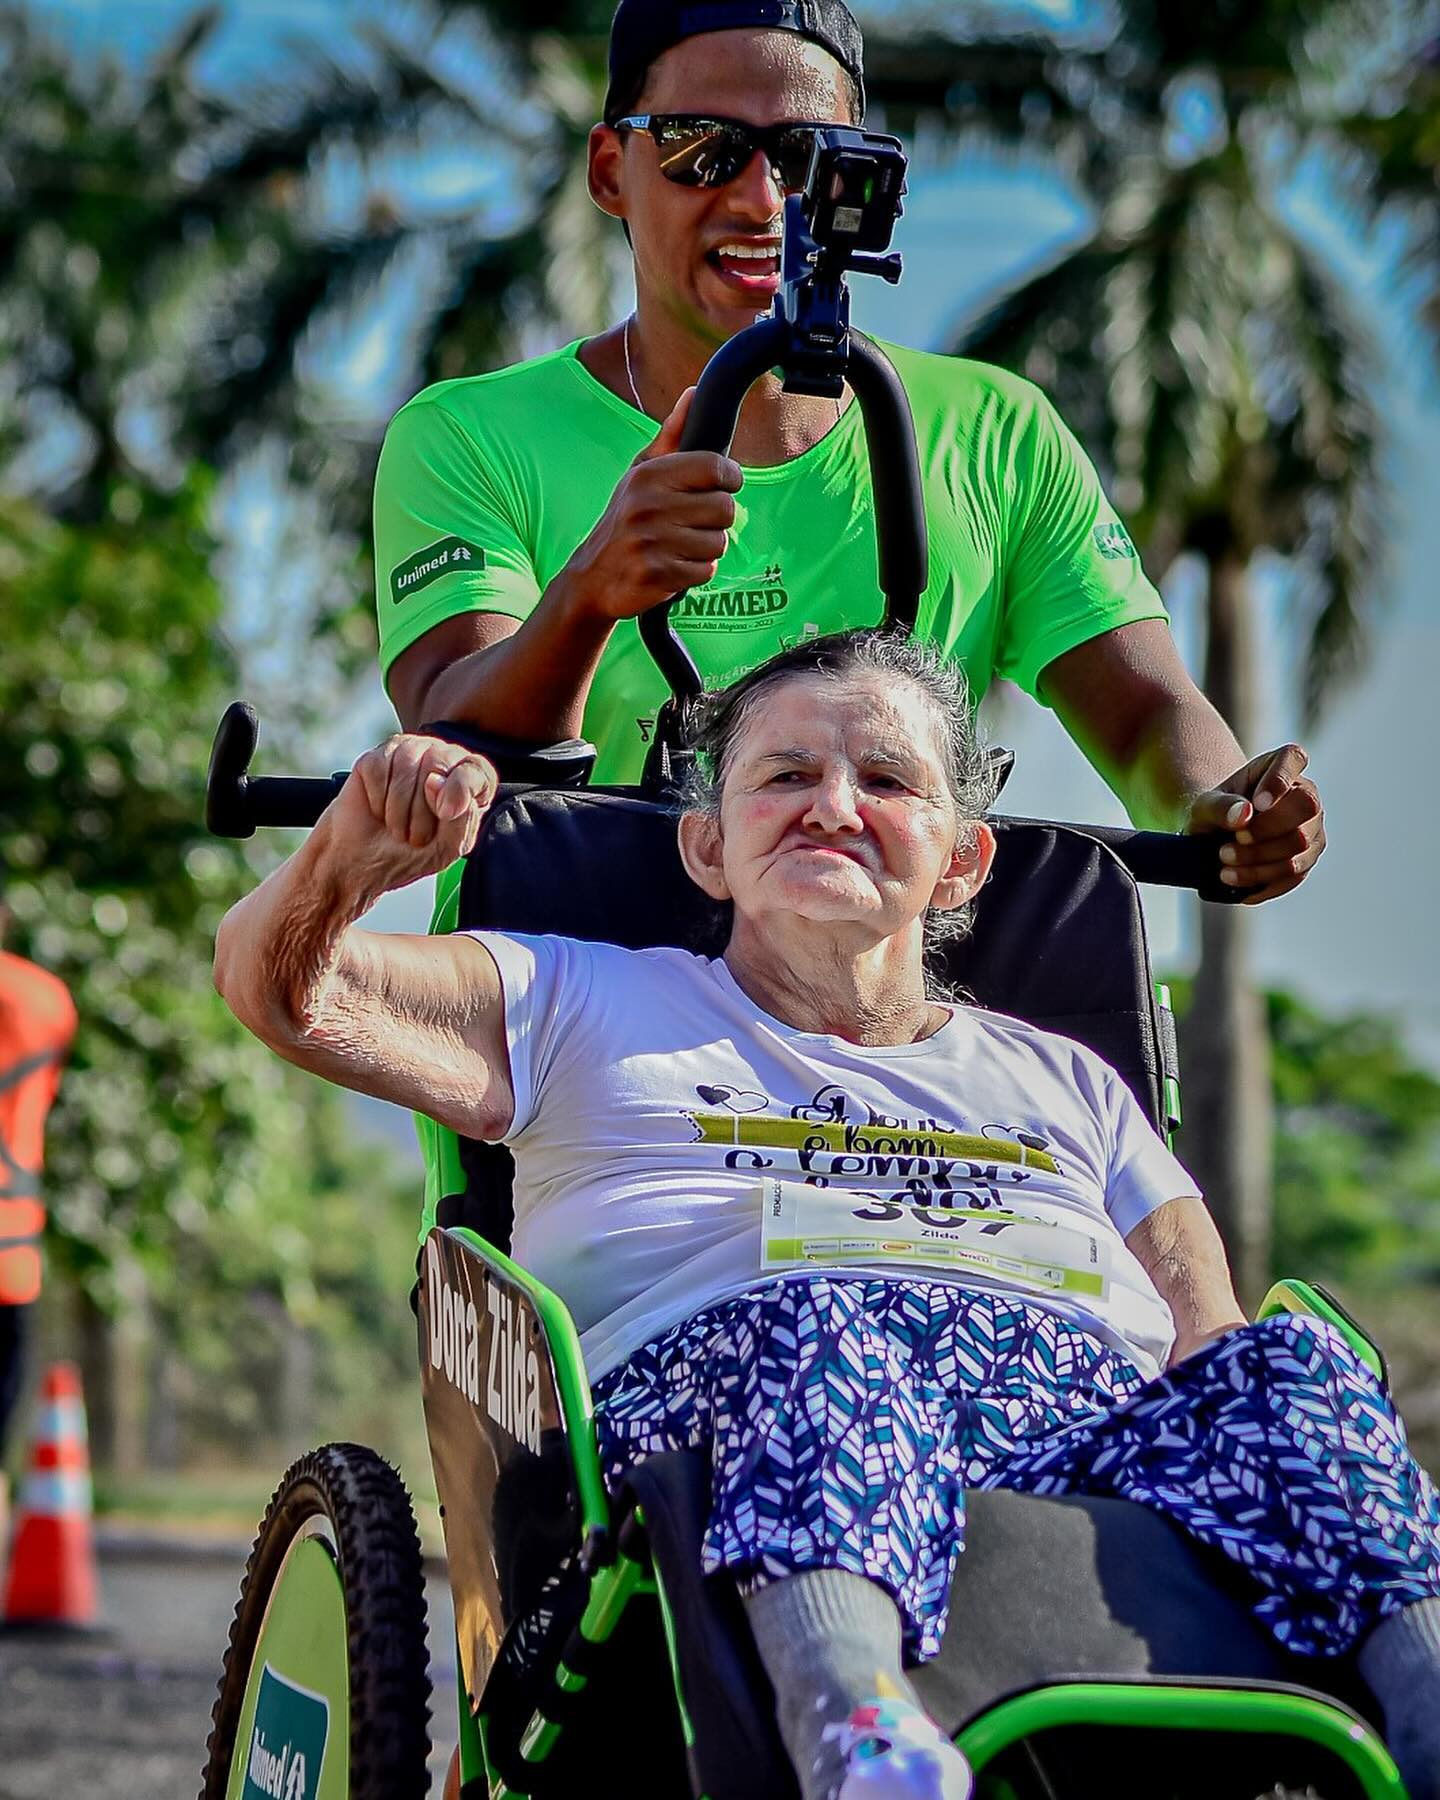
(487,484)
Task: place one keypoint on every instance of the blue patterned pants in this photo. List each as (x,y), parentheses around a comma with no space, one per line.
(845,1416)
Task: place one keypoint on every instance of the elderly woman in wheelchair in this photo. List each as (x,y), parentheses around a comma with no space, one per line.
(865,1245)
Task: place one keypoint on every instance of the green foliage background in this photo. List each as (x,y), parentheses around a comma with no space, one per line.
(191,1174)
(1357,1155)
(1357,1185)
(1357,1188)
(1357,1151)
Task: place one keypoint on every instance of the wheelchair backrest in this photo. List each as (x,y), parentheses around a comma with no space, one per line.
(1059,937)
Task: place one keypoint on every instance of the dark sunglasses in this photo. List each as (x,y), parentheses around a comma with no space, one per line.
(701,152)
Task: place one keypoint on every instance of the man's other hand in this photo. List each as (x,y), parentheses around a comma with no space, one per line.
(410,808)
(1277,820)
(666,526)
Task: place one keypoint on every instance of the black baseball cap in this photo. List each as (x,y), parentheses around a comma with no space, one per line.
(645,29)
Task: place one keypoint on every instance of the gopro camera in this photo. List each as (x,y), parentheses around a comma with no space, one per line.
(839,223)
(853,189)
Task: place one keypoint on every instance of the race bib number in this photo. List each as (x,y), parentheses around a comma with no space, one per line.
(802,1225)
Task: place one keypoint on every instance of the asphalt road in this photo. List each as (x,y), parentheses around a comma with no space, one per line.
(124,1713)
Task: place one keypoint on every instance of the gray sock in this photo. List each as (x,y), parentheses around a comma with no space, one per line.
(1400,1661)
(830,1641)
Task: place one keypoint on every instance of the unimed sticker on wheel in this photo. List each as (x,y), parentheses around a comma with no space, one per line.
(286,1751)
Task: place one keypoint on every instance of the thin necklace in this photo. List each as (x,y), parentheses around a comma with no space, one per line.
(630,373)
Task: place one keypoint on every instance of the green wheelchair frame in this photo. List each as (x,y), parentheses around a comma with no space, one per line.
(327,1659)
(631,1575)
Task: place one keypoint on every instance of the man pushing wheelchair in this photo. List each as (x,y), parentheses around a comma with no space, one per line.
(526,518)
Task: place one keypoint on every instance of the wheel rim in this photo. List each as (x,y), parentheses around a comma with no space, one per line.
(293,1739)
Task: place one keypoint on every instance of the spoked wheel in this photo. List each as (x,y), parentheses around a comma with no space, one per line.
(325,1693)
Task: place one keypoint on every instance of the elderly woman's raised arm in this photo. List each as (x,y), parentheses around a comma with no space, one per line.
(418,1021)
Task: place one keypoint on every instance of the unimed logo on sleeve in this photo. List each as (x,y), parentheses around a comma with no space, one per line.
(287,1741)
(443,557)
(1113,542)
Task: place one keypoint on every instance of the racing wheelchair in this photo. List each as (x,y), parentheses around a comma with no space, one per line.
(1092,1649)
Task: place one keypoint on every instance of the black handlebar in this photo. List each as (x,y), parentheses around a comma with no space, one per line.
(237,803)
(1161,858)
(710,425)
(901,536)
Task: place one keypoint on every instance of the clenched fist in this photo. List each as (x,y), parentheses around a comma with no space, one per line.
(410,807)
(666,526)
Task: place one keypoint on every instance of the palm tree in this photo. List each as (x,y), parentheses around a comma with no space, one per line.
(168,255)
(1203,347)
(165,262)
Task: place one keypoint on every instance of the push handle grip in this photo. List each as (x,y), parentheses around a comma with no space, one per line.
(901,535)
(1163,858)
(236,801)
(710,425)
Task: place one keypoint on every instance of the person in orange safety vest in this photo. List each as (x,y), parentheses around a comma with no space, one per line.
(37,1023)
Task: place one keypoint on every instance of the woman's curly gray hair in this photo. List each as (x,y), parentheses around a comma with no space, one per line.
(722,717)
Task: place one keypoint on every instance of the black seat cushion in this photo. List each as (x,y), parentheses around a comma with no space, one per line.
(1049,1589)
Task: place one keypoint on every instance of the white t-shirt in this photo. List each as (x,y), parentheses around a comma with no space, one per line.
(653,1099)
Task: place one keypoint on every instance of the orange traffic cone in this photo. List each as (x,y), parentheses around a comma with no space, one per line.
(52,1577)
